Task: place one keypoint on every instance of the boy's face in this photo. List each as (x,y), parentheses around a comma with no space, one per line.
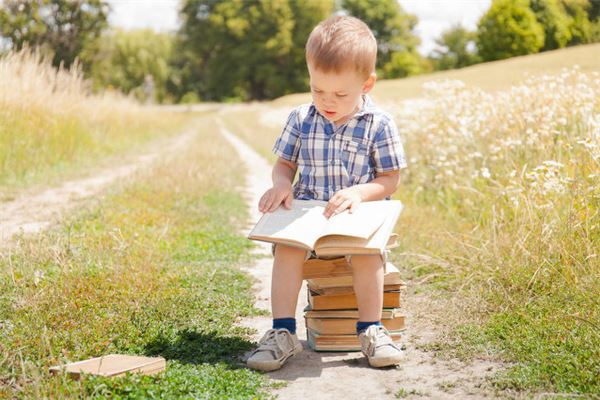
(337,95)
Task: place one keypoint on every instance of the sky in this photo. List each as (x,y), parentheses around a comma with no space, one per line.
(435,16)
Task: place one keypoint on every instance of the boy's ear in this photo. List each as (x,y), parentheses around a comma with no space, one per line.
(369,83)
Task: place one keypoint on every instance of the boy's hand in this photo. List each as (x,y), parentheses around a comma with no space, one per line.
(278,194)
(342,200)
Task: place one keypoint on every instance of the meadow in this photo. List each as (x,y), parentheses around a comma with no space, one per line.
(52,125)
(501,224)
(153,269)
(502,213)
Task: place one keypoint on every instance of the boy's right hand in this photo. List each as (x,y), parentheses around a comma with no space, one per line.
(278,194)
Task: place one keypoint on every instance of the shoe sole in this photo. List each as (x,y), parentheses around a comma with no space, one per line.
(275,364)
(385,361)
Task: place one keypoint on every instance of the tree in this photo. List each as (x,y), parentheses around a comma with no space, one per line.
(456,49)
(555,21)
(131,61)
(245,49)
(393,28)
(508,29)
(581,28)
(58,27)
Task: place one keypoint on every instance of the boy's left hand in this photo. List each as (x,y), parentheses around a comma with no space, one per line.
(342,200)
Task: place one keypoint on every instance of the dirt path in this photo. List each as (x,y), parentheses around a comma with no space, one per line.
(32,212)
(347,375)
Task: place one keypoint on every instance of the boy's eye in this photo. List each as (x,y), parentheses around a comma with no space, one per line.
(341,94)
(317,90)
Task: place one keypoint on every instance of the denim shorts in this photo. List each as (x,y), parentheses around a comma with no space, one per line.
(312,255)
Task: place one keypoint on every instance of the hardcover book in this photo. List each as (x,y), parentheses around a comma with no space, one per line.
(367,230)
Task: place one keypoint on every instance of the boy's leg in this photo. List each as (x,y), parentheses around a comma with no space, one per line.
(367,274)
(286,280)
(280,343)
(375,340)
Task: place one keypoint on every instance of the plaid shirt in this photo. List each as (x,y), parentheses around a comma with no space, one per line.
(332,158)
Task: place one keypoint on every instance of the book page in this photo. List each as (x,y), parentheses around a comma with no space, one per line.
(367,217)
(374,244)
(304,223)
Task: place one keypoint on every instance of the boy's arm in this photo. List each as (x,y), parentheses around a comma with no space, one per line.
(281,192)
(384,184)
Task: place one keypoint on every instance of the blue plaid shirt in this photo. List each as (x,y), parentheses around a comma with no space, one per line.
(331,158)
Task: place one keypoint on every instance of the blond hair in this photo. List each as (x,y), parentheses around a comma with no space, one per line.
(340,43)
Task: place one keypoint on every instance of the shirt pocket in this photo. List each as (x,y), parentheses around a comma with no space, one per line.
(355,157)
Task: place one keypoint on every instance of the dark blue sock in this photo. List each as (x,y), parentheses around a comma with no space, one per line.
(362,326)
(287,323)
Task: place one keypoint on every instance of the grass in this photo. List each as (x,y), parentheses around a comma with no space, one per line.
(50,126)
(152,270)
(502,201)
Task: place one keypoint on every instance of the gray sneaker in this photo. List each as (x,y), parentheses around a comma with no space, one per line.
(275,347)
(378,346)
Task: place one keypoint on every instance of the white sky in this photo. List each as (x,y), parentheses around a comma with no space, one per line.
(434,15)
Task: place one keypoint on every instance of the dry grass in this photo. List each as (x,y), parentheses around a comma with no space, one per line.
(50,123)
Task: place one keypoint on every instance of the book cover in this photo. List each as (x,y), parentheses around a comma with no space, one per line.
(391,299)
(112,365)
(347,326)
(391,276)
(318,342)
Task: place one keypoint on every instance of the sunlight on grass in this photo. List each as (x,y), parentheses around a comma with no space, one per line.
(50,123)
(152,271)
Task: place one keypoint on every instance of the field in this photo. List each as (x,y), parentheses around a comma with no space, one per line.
(502,226)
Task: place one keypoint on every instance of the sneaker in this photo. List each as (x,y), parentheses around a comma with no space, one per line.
(275,347)
(378,346)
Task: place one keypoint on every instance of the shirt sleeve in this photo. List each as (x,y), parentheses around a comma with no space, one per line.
(287,146)
(388,152)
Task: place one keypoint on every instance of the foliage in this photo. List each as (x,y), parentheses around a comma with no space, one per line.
(59,27)
(393,28)
(508,29)
(581,27)
(51,125)
(556,22)
(245,50)
(125,59)
(454,49)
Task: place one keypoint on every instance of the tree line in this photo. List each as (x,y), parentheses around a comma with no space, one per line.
(235,50)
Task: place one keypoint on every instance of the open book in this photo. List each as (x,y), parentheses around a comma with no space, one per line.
(367,230)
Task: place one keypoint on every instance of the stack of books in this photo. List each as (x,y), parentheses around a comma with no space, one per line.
(332,313)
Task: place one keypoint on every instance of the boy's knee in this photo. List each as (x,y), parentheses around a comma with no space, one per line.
(367,259)
(282,250)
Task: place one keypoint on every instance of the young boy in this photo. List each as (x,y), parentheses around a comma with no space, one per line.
(348,151)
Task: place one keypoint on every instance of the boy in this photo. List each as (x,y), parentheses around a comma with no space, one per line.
(348,151)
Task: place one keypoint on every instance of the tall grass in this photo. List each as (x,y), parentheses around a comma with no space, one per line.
(49,120)
(512,180)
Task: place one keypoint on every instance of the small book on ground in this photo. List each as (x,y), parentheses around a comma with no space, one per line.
(112,365)
(367,230)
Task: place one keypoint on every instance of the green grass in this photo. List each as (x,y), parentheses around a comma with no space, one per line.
(152,270)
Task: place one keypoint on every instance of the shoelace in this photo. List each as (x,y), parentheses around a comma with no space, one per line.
(274,341)
(384,340)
